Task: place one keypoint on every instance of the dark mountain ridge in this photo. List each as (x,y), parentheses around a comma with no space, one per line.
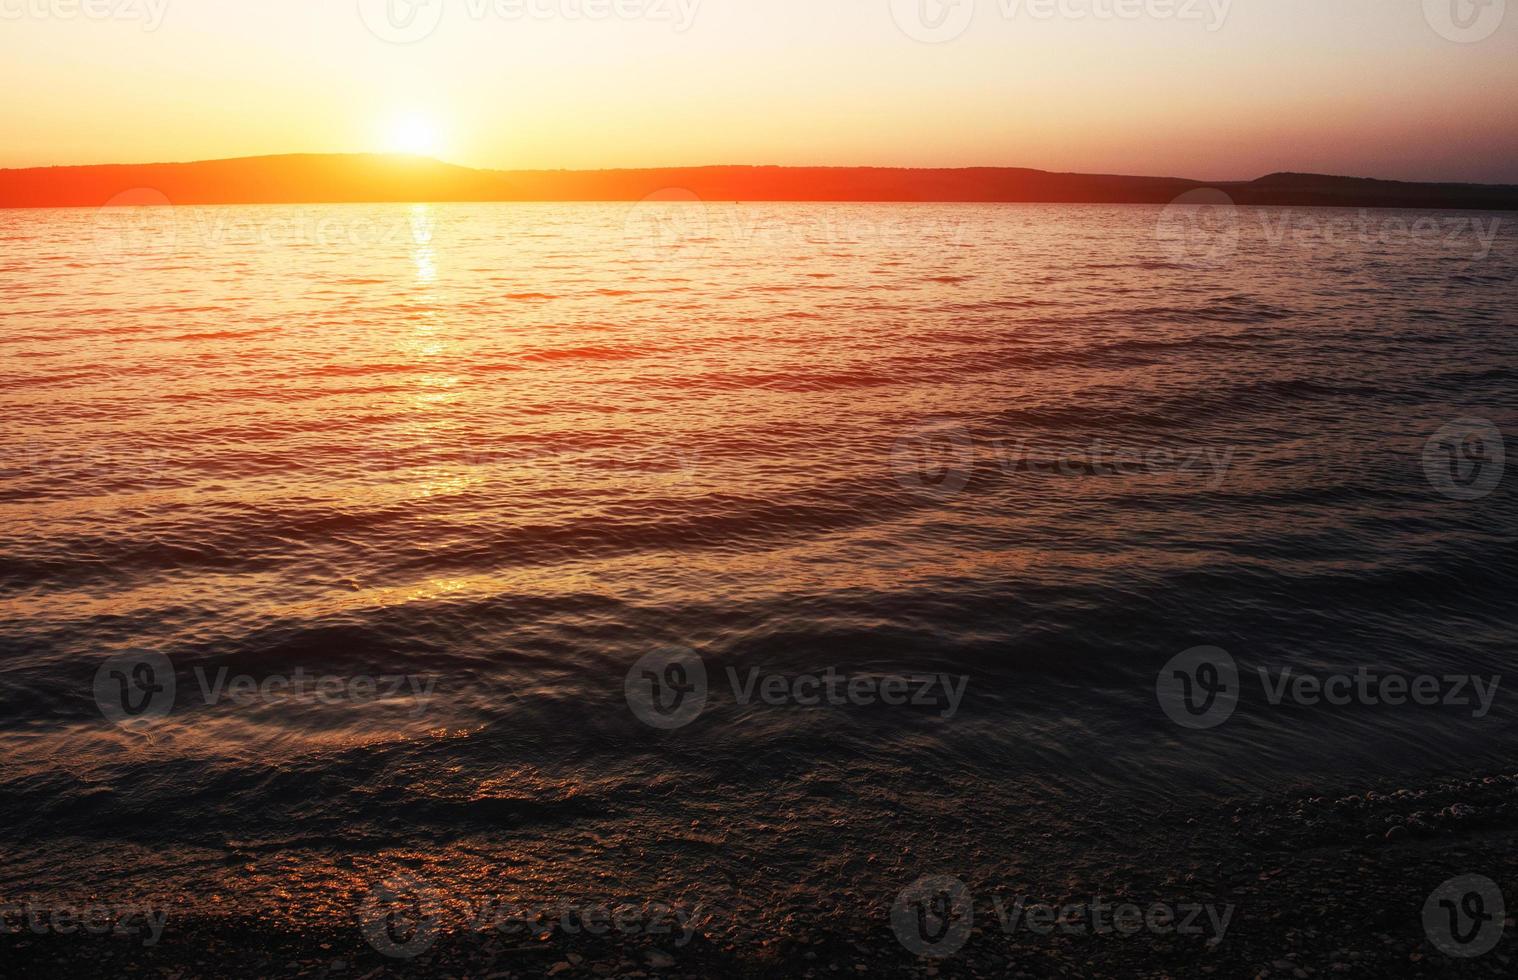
(371,178)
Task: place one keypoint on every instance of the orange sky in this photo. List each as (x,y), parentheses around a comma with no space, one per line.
(1212,89)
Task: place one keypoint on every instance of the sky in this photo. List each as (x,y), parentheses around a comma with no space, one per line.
(1208,89)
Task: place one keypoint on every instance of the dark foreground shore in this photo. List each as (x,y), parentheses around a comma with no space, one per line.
(1300,887)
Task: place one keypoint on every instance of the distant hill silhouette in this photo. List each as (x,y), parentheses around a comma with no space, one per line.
(353,178)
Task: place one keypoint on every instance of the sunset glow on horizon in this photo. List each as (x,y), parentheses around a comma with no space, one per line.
(1219,89)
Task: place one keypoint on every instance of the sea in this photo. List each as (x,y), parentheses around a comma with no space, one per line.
(750,558)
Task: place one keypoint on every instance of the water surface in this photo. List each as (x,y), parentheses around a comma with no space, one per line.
(511,450)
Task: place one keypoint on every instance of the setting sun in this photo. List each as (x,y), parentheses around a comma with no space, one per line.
(412,134)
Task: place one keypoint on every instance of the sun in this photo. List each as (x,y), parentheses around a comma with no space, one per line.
(412,134)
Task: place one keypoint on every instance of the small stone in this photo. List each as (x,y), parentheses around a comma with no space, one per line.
(560,967)
(660,960)
(1395,834)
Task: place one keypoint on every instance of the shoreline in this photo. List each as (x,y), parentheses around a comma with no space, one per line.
(1303,887)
